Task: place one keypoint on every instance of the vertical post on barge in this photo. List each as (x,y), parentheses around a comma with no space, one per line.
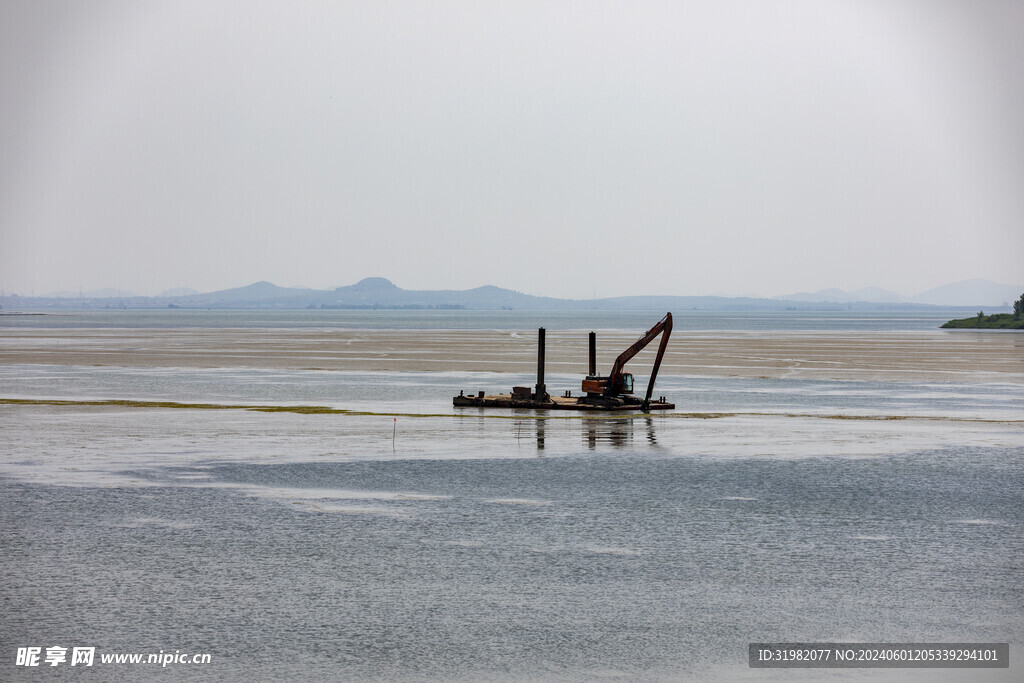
(542,390)
(593,355)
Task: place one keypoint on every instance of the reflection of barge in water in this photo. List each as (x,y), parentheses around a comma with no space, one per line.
(611,392)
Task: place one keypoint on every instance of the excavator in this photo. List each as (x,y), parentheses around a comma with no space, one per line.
(615,389)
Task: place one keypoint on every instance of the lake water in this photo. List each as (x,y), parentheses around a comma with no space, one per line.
(504,320)
(402,539)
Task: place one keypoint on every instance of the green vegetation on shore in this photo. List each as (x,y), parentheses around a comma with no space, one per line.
(999,321)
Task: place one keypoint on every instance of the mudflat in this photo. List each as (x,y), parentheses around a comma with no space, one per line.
(944,356)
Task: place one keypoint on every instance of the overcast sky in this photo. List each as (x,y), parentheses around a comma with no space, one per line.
(571,149)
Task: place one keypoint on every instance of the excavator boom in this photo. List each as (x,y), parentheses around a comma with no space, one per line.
(615,378)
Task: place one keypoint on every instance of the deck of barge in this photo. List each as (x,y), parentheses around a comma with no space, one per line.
(552,403)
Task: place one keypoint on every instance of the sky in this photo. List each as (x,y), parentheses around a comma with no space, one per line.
(568,149)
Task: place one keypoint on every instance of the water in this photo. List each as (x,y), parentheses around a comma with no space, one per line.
(501,320)
(608,565)
(420,542)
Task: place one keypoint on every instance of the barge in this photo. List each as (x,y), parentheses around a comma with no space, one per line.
(611,392)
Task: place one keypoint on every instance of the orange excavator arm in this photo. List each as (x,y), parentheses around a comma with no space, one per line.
(662,327)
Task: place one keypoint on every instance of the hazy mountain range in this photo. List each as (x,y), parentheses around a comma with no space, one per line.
(376,292)
(977,292)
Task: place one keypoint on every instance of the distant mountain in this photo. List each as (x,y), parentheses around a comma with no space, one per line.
(371,292)
(382,292)
(254,294)
(977,292)
(378,292)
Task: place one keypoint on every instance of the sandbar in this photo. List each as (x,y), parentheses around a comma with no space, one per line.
(943,356)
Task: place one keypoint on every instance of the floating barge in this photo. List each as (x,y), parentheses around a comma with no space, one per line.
(565,402)
(613,392)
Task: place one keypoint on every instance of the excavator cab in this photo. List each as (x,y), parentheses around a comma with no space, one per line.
(599,385)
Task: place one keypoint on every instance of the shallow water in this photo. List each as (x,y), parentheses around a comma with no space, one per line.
(431,392)
(627,559)
(402,539)
(468,547)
